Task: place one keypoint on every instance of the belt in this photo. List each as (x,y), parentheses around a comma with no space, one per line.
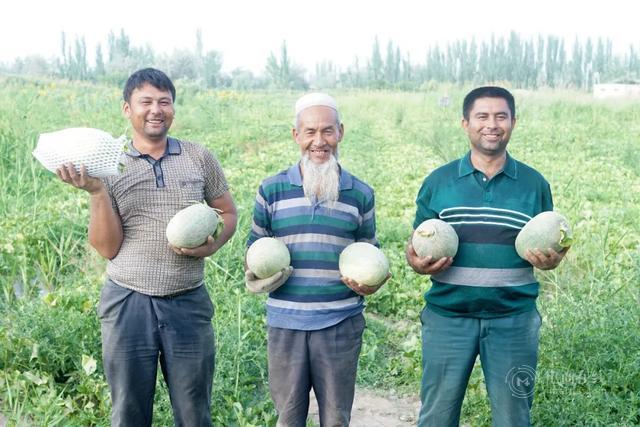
(179,293)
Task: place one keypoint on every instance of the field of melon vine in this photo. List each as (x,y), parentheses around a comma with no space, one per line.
(50,278)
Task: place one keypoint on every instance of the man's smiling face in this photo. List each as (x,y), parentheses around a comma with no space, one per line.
(150,111)
(318,133)
(489,126)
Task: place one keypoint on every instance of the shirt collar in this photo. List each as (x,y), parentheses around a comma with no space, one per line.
(295,177)
(465,168)
(173,148)
(510,168)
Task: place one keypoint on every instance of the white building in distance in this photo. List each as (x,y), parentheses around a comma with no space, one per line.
(616,91)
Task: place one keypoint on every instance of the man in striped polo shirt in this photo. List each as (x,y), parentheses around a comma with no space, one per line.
(153,306)
(314,315)
(483,301)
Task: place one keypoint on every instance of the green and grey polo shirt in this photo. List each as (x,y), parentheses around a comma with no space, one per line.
(146,195)
(487,278)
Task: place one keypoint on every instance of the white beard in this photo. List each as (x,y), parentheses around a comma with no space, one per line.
(321,182)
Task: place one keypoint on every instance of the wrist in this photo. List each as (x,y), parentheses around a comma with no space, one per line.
(97,192)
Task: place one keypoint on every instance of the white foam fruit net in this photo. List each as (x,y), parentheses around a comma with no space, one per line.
(96,149)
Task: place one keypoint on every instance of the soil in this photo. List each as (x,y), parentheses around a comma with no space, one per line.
(370,409)
(378,409)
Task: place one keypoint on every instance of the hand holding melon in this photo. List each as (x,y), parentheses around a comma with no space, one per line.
(268,266)
(256,285)
(432,247)
(79,178)
(193,227)
(544,240)
(435,238)
(364,268)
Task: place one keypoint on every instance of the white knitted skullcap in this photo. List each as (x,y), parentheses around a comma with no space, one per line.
(314,99)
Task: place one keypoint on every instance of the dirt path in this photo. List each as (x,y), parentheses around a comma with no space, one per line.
(374,409)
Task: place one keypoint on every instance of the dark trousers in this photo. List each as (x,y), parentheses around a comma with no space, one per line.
(137,332)
(508,350)
(325,360)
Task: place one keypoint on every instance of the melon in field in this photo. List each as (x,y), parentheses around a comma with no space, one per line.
(545,230)
(364,263)
(191,226)
(435,238)
(266,256)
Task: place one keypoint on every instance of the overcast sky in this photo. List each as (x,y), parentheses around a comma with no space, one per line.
(246,31)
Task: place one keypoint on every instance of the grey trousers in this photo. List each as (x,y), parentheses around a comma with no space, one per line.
(325,360)
(137,331)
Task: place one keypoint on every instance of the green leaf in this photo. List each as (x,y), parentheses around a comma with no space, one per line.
(88,364)
(34,378)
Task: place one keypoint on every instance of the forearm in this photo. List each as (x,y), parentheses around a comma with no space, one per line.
(105,227)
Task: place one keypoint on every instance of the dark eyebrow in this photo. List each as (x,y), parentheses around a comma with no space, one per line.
(162,98)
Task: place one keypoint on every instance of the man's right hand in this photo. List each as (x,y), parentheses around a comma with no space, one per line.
(67,173)
(269,284)
(426,265)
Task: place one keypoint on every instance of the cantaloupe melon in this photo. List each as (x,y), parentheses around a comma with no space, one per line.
(543,231)
(435,238)
(191,226)
(266,256)
(364,263)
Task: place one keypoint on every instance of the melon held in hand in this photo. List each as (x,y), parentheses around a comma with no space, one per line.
(266,256)
(435,238)
(364,263)
(543,231)
(190,227)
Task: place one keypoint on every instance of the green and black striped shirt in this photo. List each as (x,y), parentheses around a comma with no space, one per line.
(487,278)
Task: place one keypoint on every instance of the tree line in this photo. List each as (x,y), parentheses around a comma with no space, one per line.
(529,63)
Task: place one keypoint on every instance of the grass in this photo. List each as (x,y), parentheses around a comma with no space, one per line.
(589,365)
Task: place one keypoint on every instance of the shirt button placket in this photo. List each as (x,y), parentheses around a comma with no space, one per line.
(158,172)
(487,190)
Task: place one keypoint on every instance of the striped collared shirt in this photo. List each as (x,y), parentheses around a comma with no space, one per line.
(315,233)
(487,277)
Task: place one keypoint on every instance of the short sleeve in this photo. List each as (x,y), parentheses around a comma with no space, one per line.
(108,184)
(547,199)
(261,222)
(367,230)
(215,183)
(423,203)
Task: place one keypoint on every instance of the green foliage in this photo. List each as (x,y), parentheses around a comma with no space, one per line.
(524,63)
(283,73)
(589,370)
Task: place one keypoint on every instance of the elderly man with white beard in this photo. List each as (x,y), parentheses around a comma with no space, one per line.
(314,316)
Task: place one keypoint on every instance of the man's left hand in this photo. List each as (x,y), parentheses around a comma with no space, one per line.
(363,290)
(202,251)
(539,260)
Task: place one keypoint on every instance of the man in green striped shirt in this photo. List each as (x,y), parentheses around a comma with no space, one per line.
(482,301)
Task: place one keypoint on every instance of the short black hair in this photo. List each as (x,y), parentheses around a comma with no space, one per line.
(155,78)
(488,92)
